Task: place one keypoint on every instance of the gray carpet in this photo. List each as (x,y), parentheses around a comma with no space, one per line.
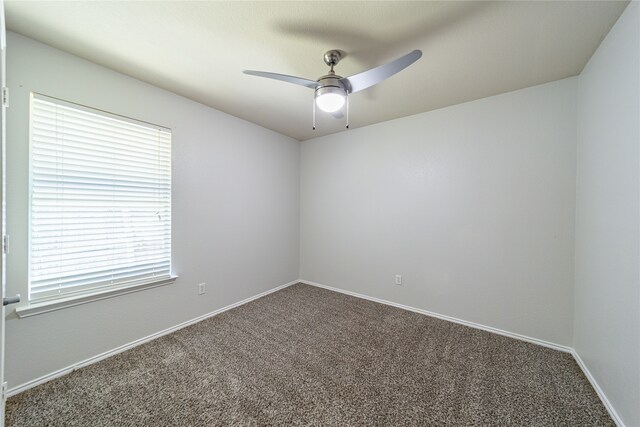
(308,356)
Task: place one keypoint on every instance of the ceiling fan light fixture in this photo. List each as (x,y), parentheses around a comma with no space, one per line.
(330,94)
(330,98)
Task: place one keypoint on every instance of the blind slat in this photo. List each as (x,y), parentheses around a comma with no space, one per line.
(96,283)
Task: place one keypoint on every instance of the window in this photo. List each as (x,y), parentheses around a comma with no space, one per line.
(100,201)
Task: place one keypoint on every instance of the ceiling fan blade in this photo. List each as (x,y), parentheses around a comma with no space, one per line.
(368,78)
(283,77)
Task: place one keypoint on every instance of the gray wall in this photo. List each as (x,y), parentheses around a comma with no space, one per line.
(473,204)
(607,301)
(235,212)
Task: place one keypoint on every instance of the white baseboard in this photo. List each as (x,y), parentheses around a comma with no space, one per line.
(60,372)
(449,318)
(612,412)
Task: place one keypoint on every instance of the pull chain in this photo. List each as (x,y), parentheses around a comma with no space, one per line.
(347,110)
(314,114)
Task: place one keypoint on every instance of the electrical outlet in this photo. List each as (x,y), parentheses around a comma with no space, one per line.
(399,279)
(202,288)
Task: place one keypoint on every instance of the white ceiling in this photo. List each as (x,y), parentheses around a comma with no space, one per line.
(198,49)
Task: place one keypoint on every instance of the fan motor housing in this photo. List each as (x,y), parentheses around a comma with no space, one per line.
(330,84)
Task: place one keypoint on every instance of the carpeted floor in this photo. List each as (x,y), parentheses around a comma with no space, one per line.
(308,356)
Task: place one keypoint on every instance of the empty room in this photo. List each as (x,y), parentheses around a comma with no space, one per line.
(336,213)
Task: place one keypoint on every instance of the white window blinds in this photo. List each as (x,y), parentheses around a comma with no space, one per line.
(100,201)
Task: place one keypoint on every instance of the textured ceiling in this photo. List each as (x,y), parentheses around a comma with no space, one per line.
(198,49)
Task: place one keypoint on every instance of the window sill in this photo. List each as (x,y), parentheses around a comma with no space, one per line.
(47,306)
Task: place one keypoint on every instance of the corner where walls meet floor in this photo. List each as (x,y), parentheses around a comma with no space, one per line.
(26,386)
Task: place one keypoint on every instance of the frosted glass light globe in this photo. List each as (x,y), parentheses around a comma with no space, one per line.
(330,102)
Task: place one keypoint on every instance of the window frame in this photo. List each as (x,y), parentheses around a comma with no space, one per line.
(101,292)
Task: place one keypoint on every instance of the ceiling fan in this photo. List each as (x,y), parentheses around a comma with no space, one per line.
(332,91)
